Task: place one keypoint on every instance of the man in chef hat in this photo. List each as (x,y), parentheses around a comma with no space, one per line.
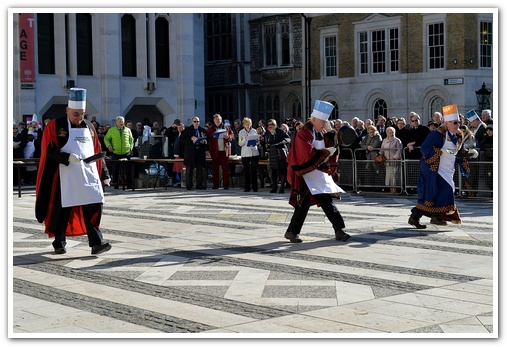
(69,194)
(309,173)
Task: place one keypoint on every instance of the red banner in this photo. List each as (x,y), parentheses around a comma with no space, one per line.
(26,47)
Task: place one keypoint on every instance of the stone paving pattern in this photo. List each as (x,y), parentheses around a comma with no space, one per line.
(216,262)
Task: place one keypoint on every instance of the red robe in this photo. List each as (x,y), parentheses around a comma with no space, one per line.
(48,177)
(303,158)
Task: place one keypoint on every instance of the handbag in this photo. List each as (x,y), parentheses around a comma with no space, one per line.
(380,158)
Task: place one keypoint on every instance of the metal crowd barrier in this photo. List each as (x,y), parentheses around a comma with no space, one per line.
(368,175)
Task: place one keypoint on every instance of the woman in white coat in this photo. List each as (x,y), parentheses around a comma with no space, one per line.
(249,141)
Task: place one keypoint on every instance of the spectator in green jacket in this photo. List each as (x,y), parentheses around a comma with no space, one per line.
(119,142)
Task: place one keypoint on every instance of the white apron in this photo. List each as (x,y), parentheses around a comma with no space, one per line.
(320,182)
(80,182)
(447,160)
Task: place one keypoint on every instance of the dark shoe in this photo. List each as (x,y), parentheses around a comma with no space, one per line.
(341,236)
(281,191)
(101,248)
(215,187)
(226,187)
(246,190)
(273,190)
(60,250)
(437,221)
(116,186)
(255,190)
(416,223)
(293,238)
(189,188)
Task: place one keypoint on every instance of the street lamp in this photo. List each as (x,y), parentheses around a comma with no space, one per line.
(483,96)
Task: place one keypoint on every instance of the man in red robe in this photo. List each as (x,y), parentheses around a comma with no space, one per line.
(311,165)
(69,194)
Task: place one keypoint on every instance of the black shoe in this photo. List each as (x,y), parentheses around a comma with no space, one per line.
(215,187)
(255,190)
(293,238)
(416,223)
(101,248)
(246,190)
(281,191)
(273,190)
(189,188)
(60,250)
(116,186)
(341,236)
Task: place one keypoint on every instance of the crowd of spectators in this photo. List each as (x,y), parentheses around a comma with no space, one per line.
(274,143)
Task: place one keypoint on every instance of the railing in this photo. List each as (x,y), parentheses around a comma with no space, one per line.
(352,172)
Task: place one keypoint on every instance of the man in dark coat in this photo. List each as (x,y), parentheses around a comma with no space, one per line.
(194,140)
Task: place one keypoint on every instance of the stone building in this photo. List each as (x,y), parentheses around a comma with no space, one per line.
(163,66)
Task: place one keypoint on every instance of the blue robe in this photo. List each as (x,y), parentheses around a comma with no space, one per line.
(435,195)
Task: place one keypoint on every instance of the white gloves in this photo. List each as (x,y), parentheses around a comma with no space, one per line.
(73,158)
(107,181)
(331,150)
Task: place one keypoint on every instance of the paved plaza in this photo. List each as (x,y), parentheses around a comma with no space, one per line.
(215,262)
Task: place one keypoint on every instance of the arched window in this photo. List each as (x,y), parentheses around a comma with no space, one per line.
(128,45)
(162,47)
(295,109)
(379,109)
(436,105)
(335,114)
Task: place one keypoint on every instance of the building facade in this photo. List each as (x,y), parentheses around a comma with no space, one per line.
(162,66)
(138,65)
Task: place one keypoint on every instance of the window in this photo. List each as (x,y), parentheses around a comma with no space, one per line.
(363,52)
(162,47)
(486,44)
(379,109)
(223,105)
(295,109)
(436,105)
(335,114)
(84,52)
(330,56)
(436,48)
(128,46)
(276,41)
(46,43)
(394,49)
(269,106)
(285,44)
(379,51)
(219,36)
(270,45)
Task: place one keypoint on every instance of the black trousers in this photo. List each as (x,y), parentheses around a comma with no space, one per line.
(91,213)
(199,176)
(327,205)
(115,168)
(250,168)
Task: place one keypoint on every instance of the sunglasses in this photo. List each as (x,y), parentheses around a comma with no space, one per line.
(455,122)
(195,121)
(414,120)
